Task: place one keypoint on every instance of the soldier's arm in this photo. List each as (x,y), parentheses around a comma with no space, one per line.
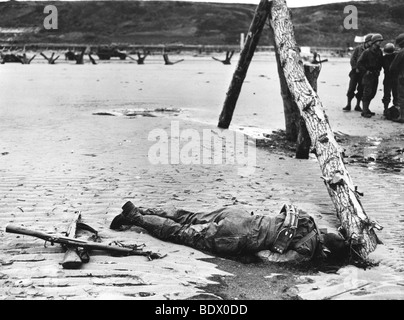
(362,62)
(354,58)
(398,60)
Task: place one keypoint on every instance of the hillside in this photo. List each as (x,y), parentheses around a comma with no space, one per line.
(164,22)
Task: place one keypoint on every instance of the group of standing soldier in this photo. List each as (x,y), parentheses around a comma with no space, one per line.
(367,62)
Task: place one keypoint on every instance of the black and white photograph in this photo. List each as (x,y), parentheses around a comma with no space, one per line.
(200,155)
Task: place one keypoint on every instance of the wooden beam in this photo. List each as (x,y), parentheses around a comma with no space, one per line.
(355,223)
(246,55)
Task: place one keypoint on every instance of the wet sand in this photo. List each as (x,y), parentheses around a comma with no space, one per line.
(57,156)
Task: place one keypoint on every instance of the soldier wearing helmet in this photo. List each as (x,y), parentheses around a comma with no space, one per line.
(370,64)
(292,235)
(397,71)
(355,76)
(389,83)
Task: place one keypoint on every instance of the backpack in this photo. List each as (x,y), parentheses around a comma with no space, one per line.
(299,233)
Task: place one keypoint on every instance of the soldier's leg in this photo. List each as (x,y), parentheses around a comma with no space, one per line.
(168,230)
(400,98)
(394,91)
(359,93)
(387,88)
(183,216)
(130,214)
(353,83)
(374,86)
(367,92)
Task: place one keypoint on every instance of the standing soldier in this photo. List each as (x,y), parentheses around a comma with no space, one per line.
(370,64)
(397,71)
(389,83)
(355,77)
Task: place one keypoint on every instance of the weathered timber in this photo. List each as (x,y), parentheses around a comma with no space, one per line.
(246,55)
(303,144)
(71,259)
(290,109)
(355,223)
(312,71)
(295,127)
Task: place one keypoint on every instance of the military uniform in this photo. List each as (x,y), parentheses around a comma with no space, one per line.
(370,64)
(389,82)
(229,231)
(397,70)
(355,77)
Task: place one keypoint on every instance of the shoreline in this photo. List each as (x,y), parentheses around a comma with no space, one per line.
(57,157)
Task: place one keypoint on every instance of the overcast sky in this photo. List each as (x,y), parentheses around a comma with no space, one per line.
(291,3)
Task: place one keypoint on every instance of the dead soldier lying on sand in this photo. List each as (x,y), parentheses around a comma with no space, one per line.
(290,236)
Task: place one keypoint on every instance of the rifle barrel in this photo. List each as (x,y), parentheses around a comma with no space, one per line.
(12,228)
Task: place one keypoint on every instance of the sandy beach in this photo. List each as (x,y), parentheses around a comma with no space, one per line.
(60,152)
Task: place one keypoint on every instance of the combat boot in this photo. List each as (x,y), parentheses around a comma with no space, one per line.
(366,112)
(400,119)
(126,217)
(386,107)
(348,106)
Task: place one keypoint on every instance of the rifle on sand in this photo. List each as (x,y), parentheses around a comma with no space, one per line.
(114,249)
(72,258)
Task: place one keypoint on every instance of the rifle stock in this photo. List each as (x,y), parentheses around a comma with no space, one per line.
(72,242)
(71,259)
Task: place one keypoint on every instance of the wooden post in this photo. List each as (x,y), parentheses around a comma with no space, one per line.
(290,109)
(303,144)
(246,55)
(355,224)
(312,71)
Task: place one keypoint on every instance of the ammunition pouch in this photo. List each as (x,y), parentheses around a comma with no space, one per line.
(288,229)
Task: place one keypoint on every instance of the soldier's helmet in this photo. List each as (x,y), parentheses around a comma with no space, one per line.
(377,37)
(389,48)
(368,37)
(400,40)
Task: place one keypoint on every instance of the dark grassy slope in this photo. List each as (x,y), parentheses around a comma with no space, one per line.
(162,22)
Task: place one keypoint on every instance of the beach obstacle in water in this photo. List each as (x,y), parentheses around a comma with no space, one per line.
(92,59)
(79,57)
(227,60)
(167,60)
(51,59)
(300,95)
(16,58)
(141,57)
